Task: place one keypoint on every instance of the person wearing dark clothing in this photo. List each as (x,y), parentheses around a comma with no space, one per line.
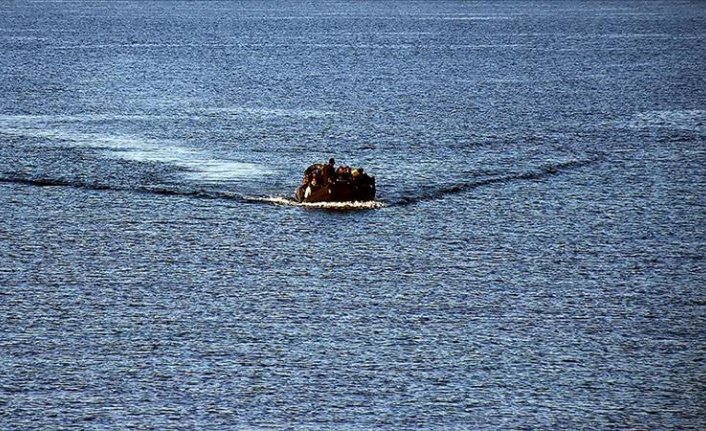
(329,174)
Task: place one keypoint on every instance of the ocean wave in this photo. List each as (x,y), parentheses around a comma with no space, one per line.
(529,175)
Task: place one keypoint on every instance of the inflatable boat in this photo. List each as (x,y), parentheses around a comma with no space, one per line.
(323,183)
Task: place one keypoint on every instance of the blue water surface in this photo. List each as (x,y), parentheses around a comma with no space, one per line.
(535,258)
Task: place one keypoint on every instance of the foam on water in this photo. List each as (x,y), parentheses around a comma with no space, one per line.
(465,18)
(267,112)
(688,119)
(620,36)
(282,201)
(200,165)
(144,45)
(33,121)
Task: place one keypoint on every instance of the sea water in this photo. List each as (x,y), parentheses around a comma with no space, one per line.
(534,258)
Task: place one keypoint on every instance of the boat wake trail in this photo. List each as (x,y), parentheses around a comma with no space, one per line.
(436,193)
(200,194)
(154,190)
(535,174)
(281,201)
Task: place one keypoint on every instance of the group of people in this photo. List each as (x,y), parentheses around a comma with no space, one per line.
(322,174)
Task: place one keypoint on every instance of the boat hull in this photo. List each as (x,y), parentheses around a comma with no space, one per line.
(338,191)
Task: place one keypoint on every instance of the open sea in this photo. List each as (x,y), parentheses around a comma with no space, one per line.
(535,258)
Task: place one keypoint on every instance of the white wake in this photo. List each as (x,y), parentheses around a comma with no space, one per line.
(356,205)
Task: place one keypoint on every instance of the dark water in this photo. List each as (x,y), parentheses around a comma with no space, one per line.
(535,260)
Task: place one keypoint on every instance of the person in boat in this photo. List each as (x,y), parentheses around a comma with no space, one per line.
(329,172)
(311,169)
(343,172)
(326,182)
(312,181)
(361,177)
